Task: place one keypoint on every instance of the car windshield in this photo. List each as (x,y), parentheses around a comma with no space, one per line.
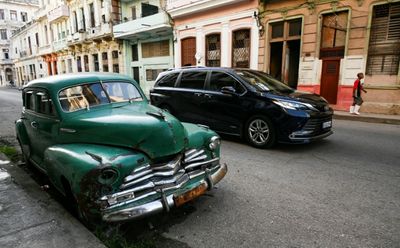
(89,95)
(263,82)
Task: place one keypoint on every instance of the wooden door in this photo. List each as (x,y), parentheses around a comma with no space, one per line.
(188,48)
(330,79)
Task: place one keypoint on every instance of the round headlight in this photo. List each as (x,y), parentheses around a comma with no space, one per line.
(215,142)
(108,176)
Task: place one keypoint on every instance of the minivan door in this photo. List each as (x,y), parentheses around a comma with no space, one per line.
(226,111)
(189,97)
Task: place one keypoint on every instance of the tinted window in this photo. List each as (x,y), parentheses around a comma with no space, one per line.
(220,79)
(263,82)
(30,100)
(168,80)
(45,104)
(193,80)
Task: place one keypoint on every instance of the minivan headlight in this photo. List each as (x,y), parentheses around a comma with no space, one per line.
(294,105)
(215,142)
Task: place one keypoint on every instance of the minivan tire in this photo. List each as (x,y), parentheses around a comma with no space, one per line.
(260,132)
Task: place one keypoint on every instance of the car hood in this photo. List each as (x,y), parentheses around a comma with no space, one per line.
(139,126)
(306,97)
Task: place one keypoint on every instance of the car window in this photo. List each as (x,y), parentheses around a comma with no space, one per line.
(221,79)
(263,82)
(89,95)
(30,100)
(45,105)
(168,80)
(119,92)
(193,80)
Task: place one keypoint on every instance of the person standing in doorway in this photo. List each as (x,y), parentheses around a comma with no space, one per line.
(357,99)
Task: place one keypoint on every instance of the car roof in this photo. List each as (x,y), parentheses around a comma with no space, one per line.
(61,81)
(201,68)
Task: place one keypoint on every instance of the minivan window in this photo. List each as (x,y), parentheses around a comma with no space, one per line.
(263,82)
(168,80)
(221,79)
(193,80)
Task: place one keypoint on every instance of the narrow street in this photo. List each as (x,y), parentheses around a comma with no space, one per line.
(339,192)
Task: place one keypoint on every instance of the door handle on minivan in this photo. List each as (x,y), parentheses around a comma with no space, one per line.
(207,95)
(198,94)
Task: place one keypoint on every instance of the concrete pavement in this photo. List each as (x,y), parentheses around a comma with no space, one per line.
(29,218)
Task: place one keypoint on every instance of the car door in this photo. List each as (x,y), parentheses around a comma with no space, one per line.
(41,122)
(189,97)
(226,111)
(164,94)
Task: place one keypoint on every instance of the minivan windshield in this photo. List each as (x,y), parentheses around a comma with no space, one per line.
(263,82)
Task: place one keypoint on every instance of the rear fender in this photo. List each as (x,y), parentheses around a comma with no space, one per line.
(22,137)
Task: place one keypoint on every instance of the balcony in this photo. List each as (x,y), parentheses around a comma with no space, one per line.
(58,13)
(178,8)
(59,45)
(157,24)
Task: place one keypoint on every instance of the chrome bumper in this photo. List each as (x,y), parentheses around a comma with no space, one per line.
(162,204)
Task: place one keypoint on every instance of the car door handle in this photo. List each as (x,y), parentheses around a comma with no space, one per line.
(34,124)
(207,95)
(198,94)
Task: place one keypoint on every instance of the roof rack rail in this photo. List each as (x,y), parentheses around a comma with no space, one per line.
(187,67)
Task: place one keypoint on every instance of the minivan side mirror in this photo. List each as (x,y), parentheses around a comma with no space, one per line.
(228,90)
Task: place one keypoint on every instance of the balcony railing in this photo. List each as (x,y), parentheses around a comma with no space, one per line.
(145,24)
(186,7)
(57,13)
(60,44)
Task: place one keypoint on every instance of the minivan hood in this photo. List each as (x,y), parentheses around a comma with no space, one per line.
(305,97)
(138,126)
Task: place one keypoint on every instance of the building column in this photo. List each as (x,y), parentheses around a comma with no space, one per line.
(200,47)
(254,38)
(225,45)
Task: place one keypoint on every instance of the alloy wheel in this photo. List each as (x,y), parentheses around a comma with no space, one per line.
(259,131)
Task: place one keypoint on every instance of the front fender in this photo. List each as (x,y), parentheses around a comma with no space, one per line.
(200,136)
(82,164)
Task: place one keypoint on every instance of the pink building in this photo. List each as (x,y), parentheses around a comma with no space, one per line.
(215,32)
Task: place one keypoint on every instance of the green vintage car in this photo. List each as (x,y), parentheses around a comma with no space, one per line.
(108,150)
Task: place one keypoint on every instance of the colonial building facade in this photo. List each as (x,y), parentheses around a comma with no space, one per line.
(146,31)
(13,15)
(215,33)
(320,46)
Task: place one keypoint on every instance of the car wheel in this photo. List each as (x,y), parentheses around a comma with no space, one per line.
(72,202)
(260,132)
(25,155)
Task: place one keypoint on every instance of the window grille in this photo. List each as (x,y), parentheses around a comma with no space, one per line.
(384,43)
(241,49)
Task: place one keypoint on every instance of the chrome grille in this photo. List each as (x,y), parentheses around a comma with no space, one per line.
(149,179)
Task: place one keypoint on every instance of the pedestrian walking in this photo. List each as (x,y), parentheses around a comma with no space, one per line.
(357,99)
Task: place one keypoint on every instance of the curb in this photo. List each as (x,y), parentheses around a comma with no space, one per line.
(393,120)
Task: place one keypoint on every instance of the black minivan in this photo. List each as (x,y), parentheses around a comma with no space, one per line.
(243,102)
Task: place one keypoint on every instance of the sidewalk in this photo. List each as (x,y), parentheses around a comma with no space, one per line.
(367,117)
(31,218)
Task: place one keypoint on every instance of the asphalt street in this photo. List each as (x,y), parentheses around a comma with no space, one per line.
(343,191)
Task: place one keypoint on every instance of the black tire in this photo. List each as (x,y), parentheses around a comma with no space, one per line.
(260,132)
(24,154)
(80,213)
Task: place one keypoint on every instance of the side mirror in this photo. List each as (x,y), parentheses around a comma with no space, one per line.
(228,90)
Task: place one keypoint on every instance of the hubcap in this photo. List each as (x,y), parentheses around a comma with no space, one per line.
(259,131)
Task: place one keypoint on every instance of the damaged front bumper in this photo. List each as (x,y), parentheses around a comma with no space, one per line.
(210,177)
